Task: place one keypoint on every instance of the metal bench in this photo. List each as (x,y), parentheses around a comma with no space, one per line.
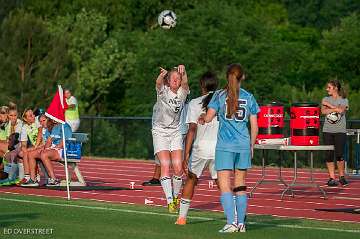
(73,163)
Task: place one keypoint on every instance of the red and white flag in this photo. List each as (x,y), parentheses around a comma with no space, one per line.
(56,112)
(58,105)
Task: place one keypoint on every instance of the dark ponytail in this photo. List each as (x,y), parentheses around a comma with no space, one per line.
(208,82)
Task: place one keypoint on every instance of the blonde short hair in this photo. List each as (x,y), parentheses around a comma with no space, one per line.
(4,110)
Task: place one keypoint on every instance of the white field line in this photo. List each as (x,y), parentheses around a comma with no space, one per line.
(170,215)
(199,201)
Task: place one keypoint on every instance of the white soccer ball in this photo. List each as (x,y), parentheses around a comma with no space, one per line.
(167,19)
(333,117)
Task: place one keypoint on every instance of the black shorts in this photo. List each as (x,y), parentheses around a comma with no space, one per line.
(339,142)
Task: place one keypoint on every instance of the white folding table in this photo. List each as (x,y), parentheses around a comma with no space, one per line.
(294,183)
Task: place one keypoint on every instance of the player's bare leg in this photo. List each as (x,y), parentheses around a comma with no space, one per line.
(165,179)
(176,158)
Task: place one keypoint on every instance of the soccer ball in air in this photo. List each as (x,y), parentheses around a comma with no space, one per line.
(333,117)
(167,19)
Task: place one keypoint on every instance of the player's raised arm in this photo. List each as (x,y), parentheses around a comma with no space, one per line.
(161,78)
(184,78)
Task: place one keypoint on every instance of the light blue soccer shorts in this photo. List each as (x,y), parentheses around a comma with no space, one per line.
(225,160)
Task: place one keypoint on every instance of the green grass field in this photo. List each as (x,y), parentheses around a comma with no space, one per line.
(90,219)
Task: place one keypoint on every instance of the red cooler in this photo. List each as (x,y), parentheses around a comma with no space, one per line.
(271,121)
(304,124)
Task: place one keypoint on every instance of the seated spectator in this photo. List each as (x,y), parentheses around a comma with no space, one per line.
(4,112)
(13,130)
(53,150)
(28,139)
(34,153)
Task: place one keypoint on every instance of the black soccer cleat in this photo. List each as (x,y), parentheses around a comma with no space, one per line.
(343,181)
(152,182)
(331,183)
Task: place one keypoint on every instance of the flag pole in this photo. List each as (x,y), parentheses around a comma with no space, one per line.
(66,165)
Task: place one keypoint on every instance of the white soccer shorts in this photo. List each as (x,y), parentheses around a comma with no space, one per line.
(167,142)
(197,166)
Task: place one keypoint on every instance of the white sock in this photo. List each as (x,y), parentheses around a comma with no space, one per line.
(166,185)
(21,170)
(184,207)
(177,183)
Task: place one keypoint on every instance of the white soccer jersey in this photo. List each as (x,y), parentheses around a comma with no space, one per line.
(206,135)
(167,110)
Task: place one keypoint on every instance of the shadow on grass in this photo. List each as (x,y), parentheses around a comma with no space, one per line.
(268,221)
(10,219)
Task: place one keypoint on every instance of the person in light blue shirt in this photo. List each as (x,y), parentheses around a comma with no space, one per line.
(54,148)
(234,107)
(56,134)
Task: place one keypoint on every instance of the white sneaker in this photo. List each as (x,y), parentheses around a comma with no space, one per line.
(242,227)
(229,228)
(53,182)
(30,183)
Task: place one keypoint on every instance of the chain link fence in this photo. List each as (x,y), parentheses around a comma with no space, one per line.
(130,137)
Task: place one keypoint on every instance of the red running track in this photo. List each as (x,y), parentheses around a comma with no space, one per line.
(266,200)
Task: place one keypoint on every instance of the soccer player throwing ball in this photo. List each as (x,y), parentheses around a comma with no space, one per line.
(235,107)
(200,141)
(167,138)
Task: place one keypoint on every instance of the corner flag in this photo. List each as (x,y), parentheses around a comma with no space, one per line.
(56,112)
(57,107)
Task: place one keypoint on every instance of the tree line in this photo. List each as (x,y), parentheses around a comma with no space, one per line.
(108,52)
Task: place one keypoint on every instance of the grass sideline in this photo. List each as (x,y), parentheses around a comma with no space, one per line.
(92,219)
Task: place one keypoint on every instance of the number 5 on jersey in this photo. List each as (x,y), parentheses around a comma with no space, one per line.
(240,113)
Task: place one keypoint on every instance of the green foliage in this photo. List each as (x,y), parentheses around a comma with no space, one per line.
(114,138)
(109,51)
(341,50)
(323,14)
(31,63)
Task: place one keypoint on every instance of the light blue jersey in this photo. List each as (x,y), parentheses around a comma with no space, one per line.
(233,134)
(56,133)
(45,134)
